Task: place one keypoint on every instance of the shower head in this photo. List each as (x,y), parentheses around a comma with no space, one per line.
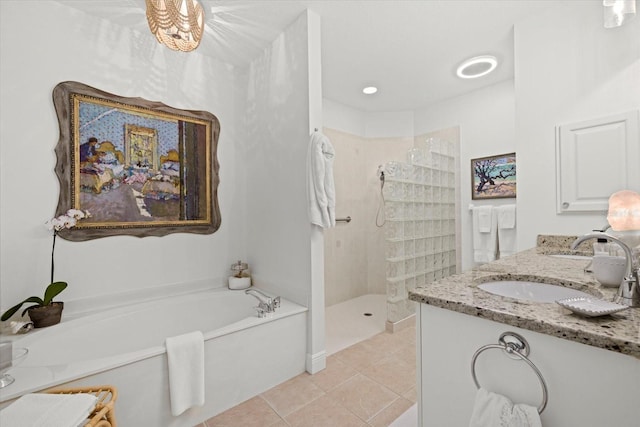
(381,171)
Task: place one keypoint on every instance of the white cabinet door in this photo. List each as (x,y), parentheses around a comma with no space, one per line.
(588,386)
(594,159)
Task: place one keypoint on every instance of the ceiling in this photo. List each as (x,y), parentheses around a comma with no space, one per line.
(409,49)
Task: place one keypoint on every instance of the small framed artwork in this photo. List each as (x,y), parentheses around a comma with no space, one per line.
(139,167)
(493,177)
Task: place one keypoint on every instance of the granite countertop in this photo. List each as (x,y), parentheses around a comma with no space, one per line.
(619,332)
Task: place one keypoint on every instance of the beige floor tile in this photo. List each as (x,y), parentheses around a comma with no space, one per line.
(390,413)
(342,395)
(363,396)
(387,342)
(393,373)
(324,412)
(334,374)
(361,355)
(292,395)
(408,335)
(411,394)
(406,353)
(254,412)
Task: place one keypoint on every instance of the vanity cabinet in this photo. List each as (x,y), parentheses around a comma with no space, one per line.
(587,386)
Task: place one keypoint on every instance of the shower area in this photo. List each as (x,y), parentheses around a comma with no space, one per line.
(401,195)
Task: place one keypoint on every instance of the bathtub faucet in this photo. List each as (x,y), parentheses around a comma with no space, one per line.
(629,291)
(266,304)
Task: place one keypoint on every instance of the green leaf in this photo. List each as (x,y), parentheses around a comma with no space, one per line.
(31,306)
(52,290)
(7,314)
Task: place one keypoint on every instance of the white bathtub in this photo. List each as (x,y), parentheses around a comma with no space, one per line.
(124,347)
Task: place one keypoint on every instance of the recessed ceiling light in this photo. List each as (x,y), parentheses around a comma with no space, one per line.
(477,67)
(369,90)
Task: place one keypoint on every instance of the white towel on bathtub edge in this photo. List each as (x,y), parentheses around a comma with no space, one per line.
(495,410)
(185,356)
(48,410)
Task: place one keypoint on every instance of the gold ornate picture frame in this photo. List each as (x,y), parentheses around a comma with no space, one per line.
(140,167)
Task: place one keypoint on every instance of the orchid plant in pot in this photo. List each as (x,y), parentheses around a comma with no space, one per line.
(44,311)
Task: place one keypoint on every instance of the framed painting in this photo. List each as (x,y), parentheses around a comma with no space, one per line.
(493,177)
(140,167)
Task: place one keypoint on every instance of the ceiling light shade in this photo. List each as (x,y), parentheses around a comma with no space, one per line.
(369,90)
(616,12)
(477,67)
(177,24)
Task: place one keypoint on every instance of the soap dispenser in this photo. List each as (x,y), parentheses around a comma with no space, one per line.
(601,247)
(241,278)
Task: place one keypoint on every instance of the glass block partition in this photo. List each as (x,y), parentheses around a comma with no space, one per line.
(420,222)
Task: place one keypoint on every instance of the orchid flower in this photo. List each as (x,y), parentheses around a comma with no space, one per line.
(66,221)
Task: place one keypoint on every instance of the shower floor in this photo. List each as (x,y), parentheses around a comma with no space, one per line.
(346,323)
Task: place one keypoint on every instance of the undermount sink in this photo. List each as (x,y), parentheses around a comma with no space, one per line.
(578,257)
(531,291)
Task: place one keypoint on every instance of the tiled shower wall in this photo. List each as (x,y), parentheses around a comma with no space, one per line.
(421,215)
(355,252)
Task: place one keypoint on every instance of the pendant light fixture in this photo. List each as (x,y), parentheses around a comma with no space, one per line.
(177,24)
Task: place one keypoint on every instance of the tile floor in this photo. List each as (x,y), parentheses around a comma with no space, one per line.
(370,383)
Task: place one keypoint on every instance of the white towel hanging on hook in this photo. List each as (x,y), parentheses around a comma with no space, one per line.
(320,184)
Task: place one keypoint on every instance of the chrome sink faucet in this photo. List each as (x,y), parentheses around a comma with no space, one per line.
(266,304)
(629,291)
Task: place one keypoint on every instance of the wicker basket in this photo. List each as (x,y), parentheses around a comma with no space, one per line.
(103,415)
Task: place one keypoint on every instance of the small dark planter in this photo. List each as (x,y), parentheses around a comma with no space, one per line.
(47,315)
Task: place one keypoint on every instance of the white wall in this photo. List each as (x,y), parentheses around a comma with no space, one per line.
(282,99)
(486,121)
(62,44)
(568,68)
(390,124)
(274,152)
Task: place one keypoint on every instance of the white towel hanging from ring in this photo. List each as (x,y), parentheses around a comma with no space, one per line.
(495,410)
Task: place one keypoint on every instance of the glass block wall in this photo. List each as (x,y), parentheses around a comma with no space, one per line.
(420,228)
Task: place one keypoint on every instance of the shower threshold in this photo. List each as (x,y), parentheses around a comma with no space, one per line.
(354,320)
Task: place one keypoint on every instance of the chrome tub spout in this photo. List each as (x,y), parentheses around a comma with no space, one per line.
(266,304)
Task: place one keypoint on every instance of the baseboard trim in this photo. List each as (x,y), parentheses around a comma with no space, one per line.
(316,362)
(405,323)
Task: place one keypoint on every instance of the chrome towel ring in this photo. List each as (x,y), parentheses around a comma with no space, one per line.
(517,348)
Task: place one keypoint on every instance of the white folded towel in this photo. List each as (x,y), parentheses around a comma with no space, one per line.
(494,410)
(484,242)
(484,219)
(185,355)
(48,410)
(507,216)
(507,233)
(320,184)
